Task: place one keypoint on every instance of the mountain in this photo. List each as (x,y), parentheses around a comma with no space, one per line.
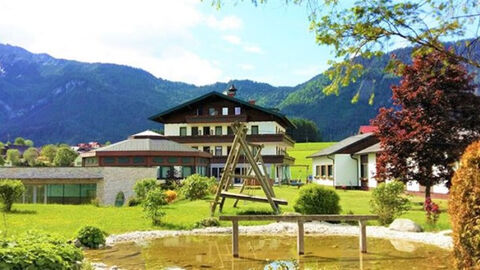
(53,100)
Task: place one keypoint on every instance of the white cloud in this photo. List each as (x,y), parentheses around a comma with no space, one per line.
(253,49)
(246,67)
(232,39)
(226,23)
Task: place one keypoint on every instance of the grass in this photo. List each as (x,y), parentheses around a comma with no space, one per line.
(300,153)
(67,219)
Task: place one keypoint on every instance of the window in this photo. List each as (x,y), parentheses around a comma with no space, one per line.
(206,130)
(138,160)
(172,160)
(238,110)
(206,149)
(218,130)
(317,170)
(108,160)
(364,166)
(158,159)
(199,111)
(254,130)
(194,131)
(212,111)
(186,171)
(195,147)
(123,160)
(225,111)
(183,131)
(324,171)
(186,160)
(215,172)
(218,150)
(229,131)
(229,148)
(330,171)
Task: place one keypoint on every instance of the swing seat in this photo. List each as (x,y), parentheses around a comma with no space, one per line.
(252,198)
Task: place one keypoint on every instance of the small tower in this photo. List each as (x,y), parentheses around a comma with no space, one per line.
(232,91)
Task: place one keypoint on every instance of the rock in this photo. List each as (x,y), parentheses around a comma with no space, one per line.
(405,225)
(77,243)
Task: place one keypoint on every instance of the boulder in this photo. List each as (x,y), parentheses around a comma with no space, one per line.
(405,225)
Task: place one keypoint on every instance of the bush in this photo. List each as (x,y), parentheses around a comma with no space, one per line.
(152,205)
(170,196)
(207,222)
(464,209)
(314,199)
(133,201)
(40,251)
(91,237)
(196,187)
(388,203)
(10,190)
(64,157)
(95,202)
(143,186)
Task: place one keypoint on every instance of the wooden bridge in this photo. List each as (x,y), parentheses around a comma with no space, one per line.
(301,219)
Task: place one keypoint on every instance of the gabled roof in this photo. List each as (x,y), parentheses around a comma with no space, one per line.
(147,145)
(371,149)
(348,145)
(157,117)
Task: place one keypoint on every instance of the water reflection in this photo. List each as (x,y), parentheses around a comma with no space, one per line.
(271,252)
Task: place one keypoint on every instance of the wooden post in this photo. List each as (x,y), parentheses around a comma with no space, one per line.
(363,236)
(300,238)
(235,238)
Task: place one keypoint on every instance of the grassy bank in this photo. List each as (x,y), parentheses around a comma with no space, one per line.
(300,153)
(67,219)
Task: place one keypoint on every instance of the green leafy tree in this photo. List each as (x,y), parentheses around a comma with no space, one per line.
(13,157)
(152,205)
(196,187)
(30,156)
(2,160)
(19,141)
(64,157)
(388,201)
(29,143)
(142,187)
(2,145)
(49,151)
(304,131)
(10,190)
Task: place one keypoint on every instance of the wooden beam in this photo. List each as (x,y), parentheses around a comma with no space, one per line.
(300,238)
(304,218)
(235,238)
(246,197)
(362,236)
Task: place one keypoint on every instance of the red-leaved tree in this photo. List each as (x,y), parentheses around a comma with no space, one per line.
(436,115)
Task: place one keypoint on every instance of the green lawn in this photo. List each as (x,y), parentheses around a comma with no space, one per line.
(300,153)
(67,219)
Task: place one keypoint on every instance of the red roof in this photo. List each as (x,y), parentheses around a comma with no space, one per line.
(367,129)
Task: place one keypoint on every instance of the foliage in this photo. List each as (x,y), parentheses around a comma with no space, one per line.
(13,156)
(2,161)
(387,201)
(38,251)
(133,201)
(64,157)
(19,141)
(49,151)
(90,236)
(420,138)
(314,199)
(29,143)
(196,187)
(207,222)
(304,131)
(170,196)
(464,209)
(30,156)
(432,211)
(95,202)
(10,190)
(152,205)
(143,186)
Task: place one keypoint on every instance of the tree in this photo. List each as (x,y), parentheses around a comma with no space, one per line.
(64,157)
(30,156)
(152,205)
(49,151)
(10,190)
(304,130)
(2,160)
(436,116)
(29,143)
(13,156)
(19,141)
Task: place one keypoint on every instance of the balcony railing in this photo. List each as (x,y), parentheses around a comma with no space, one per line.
(254,138)
(215,118)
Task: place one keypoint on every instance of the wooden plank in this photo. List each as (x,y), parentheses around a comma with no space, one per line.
(235,238)
(304,218)
(243,176)
(246,197)
(362,236)
(300,238)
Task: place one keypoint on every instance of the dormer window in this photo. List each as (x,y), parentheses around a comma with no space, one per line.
(238,110)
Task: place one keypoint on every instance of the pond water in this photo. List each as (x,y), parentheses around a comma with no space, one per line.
(271,252)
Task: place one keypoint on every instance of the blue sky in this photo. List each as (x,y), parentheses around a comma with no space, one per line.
(185,40)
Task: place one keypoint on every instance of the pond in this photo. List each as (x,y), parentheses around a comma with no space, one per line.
(271,252)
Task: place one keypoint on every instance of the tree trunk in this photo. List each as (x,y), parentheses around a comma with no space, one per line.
(427,191)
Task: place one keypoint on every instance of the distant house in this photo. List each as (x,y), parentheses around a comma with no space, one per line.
(352,162)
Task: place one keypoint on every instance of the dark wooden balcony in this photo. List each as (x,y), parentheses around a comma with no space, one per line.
(215,118)
(254,138)
(270,159)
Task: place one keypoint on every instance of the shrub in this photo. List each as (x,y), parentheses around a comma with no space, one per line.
(464,209)
(207,222)
(196,187)
(34,250)
(13,156)
(170,196)
(432,211)
(314,199)
(152,205)
(10,190)
(143,186)
(387,201)
(133,201)
(64,157)
(90,236)
(95,202)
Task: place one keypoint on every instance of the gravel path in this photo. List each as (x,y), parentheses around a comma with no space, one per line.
(439,239)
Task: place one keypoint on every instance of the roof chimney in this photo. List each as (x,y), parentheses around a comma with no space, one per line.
(232,91)
(252,101)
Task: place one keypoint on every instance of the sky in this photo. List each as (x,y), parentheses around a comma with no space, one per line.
(178,40)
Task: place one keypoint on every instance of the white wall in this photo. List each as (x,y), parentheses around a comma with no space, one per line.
(345,171)
(372,169)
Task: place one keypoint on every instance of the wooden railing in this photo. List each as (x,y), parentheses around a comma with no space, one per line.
(301,219)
